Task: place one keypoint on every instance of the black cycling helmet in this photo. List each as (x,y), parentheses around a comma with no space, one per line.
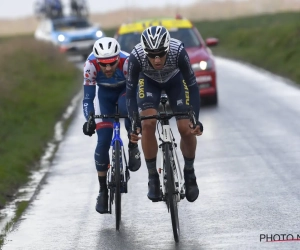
(155,39)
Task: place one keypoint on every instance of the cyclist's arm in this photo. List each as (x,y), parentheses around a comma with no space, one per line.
(190,79)
(131,84)
(89,88)
(125,66)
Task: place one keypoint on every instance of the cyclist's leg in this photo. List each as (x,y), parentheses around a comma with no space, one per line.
(104,104)
(148,100)
(148,97)
(134,153)
(178,94)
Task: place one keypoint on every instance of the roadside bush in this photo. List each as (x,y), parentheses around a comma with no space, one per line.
(36,85)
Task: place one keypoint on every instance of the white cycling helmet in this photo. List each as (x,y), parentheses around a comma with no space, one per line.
(155,39)
(106,49)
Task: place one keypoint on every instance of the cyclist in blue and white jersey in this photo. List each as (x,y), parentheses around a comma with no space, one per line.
(159,63)
(106,68)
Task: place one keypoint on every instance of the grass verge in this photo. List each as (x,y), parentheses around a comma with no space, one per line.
(21,207)
(36,85)
(267,41)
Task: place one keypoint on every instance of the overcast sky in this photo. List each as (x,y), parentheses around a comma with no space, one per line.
(21,8)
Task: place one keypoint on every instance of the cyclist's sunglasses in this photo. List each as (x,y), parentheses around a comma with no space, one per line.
(160,54)
(105,64)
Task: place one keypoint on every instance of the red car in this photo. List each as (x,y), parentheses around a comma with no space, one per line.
(201,57)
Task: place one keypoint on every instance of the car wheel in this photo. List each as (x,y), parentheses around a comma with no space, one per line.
(213,100)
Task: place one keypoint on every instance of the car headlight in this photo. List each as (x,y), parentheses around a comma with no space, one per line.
(202,65)
(99,33)
(61,38)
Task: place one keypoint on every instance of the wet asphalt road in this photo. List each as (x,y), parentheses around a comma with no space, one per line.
(247,168)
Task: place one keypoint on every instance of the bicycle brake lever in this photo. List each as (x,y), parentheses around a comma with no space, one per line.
(192,117)
(134,122)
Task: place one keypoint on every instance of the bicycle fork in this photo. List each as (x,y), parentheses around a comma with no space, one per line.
(167,137)
(124,172)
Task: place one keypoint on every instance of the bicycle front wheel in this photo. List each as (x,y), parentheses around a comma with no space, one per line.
(117,184)
(172,195)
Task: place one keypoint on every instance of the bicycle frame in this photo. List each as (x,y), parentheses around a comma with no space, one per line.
(167,137)
(116,137)
(117,177)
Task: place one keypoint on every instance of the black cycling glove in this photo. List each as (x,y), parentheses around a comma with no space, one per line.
(89,126)
(201,125)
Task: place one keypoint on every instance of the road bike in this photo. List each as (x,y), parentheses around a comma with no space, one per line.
(118,172)
(170,172)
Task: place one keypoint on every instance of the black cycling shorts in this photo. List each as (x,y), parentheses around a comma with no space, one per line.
(149,93)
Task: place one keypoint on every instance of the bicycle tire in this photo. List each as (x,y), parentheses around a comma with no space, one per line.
(117,185)
(111,199)
(171,198)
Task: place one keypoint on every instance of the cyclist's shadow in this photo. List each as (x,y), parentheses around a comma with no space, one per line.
(130,239)
(110,238)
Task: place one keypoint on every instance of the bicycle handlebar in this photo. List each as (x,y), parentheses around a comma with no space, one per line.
(91,118)
(114,116)
(163,116)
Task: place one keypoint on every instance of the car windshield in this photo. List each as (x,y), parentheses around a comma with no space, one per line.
(187,36)
(70,24)
(128,41)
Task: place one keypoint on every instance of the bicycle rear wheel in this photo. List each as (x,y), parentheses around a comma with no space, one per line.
(118,184)
(111,199)
(172,196)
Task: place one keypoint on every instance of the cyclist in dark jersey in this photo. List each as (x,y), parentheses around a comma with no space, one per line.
(104,85)
(159,63)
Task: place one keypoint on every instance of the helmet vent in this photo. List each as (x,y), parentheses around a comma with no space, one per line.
(101,46)
(109,45)
(162,42)
(153,40)
(145,41)
(96,51)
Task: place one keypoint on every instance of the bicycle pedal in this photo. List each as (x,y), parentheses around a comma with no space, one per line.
(156,200)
